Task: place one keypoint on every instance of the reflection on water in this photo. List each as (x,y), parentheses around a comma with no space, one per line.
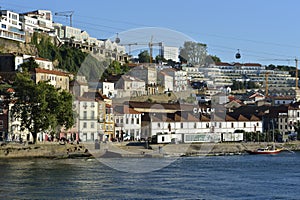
(232,177)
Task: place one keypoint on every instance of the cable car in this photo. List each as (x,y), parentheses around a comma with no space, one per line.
(238,55)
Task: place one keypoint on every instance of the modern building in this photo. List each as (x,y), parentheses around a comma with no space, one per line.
(170,53)
(38,20)
(11,26)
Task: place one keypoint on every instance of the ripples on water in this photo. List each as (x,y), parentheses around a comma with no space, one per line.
(231,177)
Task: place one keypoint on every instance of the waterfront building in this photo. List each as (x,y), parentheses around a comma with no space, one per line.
(86,121)
(128,123)
(11,26)
(288,120)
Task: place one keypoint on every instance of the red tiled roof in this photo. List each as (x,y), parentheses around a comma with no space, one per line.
(54,72)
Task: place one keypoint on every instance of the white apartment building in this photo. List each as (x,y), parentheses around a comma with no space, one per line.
(11,26)
(86,122)
(170,53)
(127,122)
(180,82)
(44,63)
(38,20)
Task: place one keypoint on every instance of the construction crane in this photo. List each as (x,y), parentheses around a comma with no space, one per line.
(67,14)
(151,44)
(129,46)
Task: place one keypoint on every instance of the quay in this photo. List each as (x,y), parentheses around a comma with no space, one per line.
(138,150)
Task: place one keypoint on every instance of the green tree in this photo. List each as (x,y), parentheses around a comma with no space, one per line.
(215,58)
(144,57)
(30,65)
(193,52)
(41,107)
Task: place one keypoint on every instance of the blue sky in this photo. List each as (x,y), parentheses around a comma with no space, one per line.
(265,31)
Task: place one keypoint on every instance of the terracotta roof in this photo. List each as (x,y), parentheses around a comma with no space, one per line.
(42,59)
(10,90)
(54,72)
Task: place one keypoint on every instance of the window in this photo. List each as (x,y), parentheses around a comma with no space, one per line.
(84,114)
(158,125)
(181,125)
(1,123)
(220,125)
(132,121)
(232,125)
(126,120)
(121,121)
(92,114)
(244,124)
(137,121)
(84,125)
(162,138)
(117,120)
(3,26)
(92,124)
(195,125)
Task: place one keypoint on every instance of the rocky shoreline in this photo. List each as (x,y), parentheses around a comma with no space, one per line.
(131,150)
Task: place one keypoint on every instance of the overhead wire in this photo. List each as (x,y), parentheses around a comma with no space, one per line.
(113,30)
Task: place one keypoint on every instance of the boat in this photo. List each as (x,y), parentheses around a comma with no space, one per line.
(266,150)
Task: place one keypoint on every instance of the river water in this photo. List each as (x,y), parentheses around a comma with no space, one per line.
(223,177)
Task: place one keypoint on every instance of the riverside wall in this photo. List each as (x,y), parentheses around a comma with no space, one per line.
(56,150)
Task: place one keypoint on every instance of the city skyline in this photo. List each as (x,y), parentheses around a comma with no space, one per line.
(258,29)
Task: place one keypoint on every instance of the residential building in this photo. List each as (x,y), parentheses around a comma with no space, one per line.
(129,86)
(44,63)
(179,77)
(10,26)
(86,122)
(56,78)
(43,18)
(170,53)
(287,120)
(10,62)
(165,80)
(127,123)
(147,74)
(79,86)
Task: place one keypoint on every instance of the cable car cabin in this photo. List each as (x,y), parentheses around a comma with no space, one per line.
(238,55)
